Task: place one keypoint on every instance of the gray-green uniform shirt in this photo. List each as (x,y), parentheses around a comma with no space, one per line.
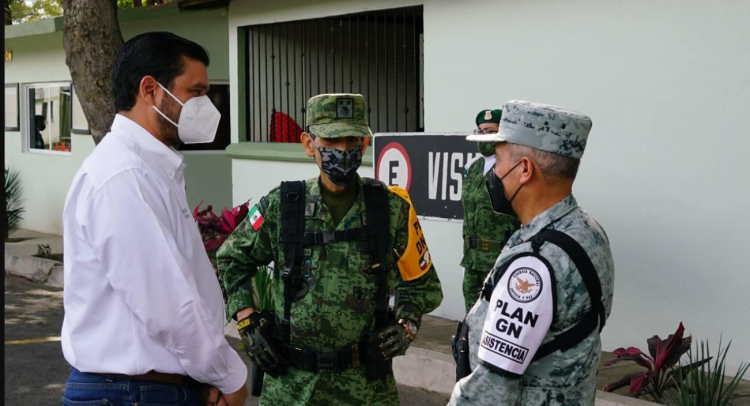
(561,378)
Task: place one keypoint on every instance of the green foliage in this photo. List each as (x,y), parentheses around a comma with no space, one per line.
(43,251)
(706,386)
(32,10)
(262,293)
(13,209)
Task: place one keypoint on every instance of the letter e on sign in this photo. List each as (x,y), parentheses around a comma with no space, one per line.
(394,166)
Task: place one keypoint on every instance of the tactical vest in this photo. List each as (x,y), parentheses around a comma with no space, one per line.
(375,229)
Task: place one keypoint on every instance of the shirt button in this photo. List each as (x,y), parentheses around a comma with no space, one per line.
(560,398)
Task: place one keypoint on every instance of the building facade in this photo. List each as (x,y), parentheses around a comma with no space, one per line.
(38,89)
(666,83)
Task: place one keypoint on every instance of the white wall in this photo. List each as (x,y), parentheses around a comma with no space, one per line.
(46,178)
(667,85)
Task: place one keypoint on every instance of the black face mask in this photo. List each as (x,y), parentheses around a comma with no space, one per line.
(42,127)
(498,198)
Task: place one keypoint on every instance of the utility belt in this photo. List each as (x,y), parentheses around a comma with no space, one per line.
(336,361)
(484,245)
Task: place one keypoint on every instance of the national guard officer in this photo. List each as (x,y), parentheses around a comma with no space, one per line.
(533,335)
(340,245)
(485,232)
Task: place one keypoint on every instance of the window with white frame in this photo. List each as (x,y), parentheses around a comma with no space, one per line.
(48,115)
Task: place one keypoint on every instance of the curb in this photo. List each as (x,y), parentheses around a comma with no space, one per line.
(611,399)
(436,372)
(426,369)
(39,270)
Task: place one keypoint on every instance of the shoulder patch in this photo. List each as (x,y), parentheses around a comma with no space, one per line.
(255,218)
(520,313)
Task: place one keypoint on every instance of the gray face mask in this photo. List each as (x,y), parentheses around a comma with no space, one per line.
(340,166)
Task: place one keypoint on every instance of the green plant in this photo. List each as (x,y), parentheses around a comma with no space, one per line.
(706,386)
(43,251)
(13,209)
(660,374)
(262,288)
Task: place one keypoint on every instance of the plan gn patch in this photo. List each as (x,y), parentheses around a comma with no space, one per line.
(519,315)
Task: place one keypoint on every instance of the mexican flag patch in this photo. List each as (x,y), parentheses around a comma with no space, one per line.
(256,219)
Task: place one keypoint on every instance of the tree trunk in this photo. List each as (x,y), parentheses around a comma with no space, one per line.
(8,16)
(92,38)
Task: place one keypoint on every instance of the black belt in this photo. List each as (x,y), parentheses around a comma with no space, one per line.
(337,361)
(174,379)
(484,245)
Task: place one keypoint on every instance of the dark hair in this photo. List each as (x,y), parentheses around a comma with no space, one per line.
(158,54)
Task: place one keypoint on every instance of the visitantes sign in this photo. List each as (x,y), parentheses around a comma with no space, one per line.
(429,166)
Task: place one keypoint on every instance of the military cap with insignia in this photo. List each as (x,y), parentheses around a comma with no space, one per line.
(488,116)
(337,115)
(543,127)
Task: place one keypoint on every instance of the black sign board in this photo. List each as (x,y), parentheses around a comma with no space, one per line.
(429,166)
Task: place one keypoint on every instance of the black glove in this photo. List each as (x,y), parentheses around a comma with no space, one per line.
(256,332)
(393,341)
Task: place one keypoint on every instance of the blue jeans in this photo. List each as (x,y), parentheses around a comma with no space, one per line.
(84,389)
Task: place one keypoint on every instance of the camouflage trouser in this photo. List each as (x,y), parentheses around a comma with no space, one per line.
(348,388)
(473,283)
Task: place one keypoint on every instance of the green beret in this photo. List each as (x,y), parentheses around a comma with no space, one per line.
(489,116)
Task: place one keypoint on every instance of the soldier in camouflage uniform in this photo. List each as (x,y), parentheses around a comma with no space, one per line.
(337,306)
(539,149)
(485,232)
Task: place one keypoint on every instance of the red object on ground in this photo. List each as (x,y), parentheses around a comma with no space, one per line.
(284,129)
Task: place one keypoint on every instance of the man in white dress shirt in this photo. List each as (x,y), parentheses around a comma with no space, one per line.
(144,314)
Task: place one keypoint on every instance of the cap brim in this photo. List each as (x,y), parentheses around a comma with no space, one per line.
(340,130)
(486,138)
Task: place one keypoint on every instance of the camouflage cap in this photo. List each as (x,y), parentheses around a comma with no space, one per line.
(337,115)
(543,127)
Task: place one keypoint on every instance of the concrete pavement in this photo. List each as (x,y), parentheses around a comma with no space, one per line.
(35,370)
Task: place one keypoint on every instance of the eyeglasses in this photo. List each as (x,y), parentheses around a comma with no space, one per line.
(485,131)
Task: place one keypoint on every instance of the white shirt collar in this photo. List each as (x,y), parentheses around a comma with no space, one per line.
(165,158)
(489,162)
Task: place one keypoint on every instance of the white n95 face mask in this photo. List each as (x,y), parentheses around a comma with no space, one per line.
(199,119)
